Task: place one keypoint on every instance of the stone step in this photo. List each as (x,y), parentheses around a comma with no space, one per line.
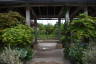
(47,41)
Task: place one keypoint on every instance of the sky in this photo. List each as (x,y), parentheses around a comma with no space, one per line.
(45,22)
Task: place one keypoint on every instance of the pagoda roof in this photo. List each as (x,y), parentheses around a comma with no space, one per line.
(63,2)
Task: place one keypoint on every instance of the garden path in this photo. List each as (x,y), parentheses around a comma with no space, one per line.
(48,53)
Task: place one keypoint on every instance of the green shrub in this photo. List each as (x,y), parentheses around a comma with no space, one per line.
(90,56)
(78,34)
(10,19)
(9,56)
(76,52)
(26,53)
(29,55)
(20,35)
(83,28)
(0,36)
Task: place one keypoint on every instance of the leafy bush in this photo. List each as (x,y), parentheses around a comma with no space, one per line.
(10,19)
(0,36)
(90,56)
(9,56)
(1,43)
(25,53)
(78,34)
(29,55)
(76,52)
(83,28)
(20,35)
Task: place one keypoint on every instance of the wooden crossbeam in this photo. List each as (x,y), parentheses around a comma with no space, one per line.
(76,11)
(61,11)
(86,10)
(39,9)
(95,10)
(33,12)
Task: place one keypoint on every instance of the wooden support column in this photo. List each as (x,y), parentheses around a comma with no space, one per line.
(28,16)
(67,20)
(59,29)
(67,17)
(35,28)
(86,10)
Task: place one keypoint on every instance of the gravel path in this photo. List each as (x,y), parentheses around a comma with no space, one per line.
(47,53)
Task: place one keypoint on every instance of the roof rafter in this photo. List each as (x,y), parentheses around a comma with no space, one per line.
(33,12)
(76,11)
(61,11)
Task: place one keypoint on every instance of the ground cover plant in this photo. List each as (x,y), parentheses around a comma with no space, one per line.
(9,56)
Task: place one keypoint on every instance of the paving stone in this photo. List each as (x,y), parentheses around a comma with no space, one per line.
(47,53)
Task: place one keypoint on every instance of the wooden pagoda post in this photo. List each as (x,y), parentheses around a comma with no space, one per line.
(35,28)
(86,10)
(59,29)
(67,20)
(28,16)
(67,17)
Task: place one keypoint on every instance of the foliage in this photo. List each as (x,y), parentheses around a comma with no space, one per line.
(16,35)
(20,35)
(83,28)
(49,29)
(30,54)
(41,27)
(10,19)
(0,36)
(25,53)
(66,32)
(78,34)
(46,31)
(90,55)
(76,52)
(9,56)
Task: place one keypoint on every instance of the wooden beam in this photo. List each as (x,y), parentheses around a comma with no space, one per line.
(35,28)
(61,11)
(94,14)
(33,12)
(54,11)
(49,16)
(40,11)
(67,17)
(47,12)
(59,29)
(76,11)
(86,10)
(28,16)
